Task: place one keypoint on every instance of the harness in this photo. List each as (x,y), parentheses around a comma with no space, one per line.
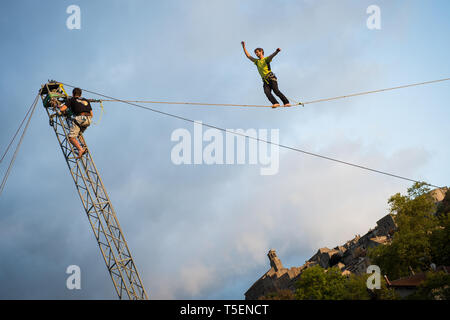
(270,77)
(80,124)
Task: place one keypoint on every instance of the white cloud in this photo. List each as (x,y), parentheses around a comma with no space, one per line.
(195,277)
(312,203)
(193,230)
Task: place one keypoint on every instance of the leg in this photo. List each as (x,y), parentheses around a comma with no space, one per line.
(274,86)
(76,144)
(83,128)
(81,138)
(73,134)
(83,142)
(267,91)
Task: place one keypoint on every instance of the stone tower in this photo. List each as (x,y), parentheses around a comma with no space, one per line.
(275,262)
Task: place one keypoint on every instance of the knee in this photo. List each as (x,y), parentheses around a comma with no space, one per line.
(276,90)
(73,134)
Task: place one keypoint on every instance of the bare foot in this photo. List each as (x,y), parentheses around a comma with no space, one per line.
(287,105)
(276,105)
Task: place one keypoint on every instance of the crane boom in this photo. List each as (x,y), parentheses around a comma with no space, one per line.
(95,201)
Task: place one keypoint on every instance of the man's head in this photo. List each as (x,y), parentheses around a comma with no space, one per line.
(76,92)
(259,53)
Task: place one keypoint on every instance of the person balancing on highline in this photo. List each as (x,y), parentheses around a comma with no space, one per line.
(269,79)
(81,119)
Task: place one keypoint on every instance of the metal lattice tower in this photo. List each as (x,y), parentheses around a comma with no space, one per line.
(95,200)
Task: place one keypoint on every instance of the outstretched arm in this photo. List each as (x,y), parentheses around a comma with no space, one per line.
(62,107)
(274,54)
(246,52)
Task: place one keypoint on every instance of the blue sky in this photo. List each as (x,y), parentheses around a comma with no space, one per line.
(203,232)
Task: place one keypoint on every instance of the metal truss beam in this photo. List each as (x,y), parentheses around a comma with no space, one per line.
(95,201)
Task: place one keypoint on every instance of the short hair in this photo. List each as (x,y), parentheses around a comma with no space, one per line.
(76,92)
(259,49)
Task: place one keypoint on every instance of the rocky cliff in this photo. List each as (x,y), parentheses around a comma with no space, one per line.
(349,257)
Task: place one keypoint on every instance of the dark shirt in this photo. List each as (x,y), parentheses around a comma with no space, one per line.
(78,105)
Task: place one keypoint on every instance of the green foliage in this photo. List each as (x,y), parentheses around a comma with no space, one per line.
(411,245)
(440,242)
(285,294)
(316,284)
(384,293)
(422,238)
(444,207)
(440,239)
(435,287)
(356,288)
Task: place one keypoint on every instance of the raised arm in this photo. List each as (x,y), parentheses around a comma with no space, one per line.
(274,54)
(55,104)
(246,52)
(62,107)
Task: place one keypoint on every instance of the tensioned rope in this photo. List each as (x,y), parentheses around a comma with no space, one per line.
(17,131)
(254,138)
(296,104)
(5,177)
(375,91)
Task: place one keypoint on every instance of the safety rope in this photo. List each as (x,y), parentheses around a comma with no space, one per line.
(254,138)
(101,113)
(17,131)
(189,103)
(5,177)
(270,106)
(375,91)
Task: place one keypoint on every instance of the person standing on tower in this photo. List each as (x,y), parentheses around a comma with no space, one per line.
(81,119)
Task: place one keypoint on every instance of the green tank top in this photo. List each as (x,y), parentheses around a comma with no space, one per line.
(263,66)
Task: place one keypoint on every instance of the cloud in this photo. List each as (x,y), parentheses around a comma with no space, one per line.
(310,204)
(195,277)
(202,231)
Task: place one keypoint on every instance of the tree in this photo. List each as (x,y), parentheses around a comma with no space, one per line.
(285,294)
(316,284)
(440,239)
(422,238)
(356,288)
(444,207)
(435,287)
(411,245)
(440,242)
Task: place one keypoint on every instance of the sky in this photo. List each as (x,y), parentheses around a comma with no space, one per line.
(203,231)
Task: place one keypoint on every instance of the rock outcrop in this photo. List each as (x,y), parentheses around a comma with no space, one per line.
(349,258)
(277,278)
